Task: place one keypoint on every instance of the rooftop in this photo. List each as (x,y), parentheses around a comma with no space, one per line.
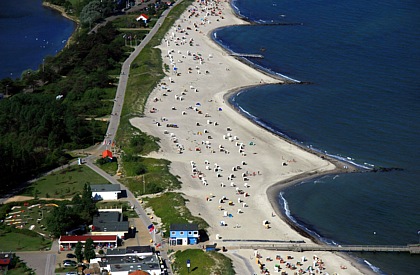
(132,263)
(5,258)
(105,187)
(111,227)
(107,216)
(101,238)
(130,250)
(109,222)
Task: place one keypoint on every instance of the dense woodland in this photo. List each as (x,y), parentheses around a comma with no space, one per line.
(51,110)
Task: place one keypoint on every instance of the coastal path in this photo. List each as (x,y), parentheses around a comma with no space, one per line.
(113,127)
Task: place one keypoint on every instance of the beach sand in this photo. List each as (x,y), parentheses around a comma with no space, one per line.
(225,162)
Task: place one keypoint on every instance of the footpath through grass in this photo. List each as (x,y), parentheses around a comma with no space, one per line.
(146,72)
(202,263)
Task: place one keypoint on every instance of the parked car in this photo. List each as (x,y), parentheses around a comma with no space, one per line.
(68,263)
(70,256)
(71,273)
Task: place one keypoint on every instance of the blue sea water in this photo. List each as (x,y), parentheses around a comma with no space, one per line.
(28,33)
(362,59)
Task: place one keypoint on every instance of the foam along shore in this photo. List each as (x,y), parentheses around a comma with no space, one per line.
(226,163)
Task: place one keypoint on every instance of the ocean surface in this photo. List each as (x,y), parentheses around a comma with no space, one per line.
(28,33)
(362,104)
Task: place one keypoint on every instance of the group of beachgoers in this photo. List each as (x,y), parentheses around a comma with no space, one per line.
(226,163)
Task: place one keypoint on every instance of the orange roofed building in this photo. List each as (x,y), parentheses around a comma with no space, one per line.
(107,154)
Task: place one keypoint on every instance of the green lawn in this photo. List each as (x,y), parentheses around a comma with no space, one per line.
(65,183)
(202,263)
(14,241)
(170,207)
(157,178)
(109,167)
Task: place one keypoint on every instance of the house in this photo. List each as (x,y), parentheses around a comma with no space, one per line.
(143,17)
(109,222)
(105,191)
(138,251)
(125,261)
(183,234)
(107,154)
(5,259)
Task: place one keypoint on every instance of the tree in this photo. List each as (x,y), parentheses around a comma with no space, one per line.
(89,250)
(78,251)
(60,220)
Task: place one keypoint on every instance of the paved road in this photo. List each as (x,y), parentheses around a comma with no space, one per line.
(113,127)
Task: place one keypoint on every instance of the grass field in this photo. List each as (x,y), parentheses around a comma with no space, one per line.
(202,263)
(170,207)
(157,178)
(14,241)
(65,183)
(110,167)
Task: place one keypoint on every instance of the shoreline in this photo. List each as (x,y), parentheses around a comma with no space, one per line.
(185,144)
(274,190)
(60,10)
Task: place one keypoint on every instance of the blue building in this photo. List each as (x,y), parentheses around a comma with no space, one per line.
(183,234)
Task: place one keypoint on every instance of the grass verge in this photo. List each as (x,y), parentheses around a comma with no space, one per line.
(202,263)
(146,71)
(109,167)
(170,207)
(21,241)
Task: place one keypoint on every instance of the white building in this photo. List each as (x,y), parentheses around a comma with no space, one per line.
(127,260)
(105,191)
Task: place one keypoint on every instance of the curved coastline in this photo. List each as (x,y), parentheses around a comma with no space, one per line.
(65,15)
(285,79)
(224,76)
(273,191)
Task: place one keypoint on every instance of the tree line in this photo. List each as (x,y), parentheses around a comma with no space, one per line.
(50,111)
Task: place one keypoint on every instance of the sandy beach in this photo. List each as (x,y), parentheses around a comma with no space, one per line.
(231,168)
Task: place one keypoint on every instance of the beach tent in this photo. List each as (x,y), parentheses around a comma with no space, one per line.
(107,154)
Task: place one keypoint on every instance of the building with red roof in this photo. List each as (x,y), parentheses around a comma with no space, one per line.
(107,154)
(5,259)
(143,17)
